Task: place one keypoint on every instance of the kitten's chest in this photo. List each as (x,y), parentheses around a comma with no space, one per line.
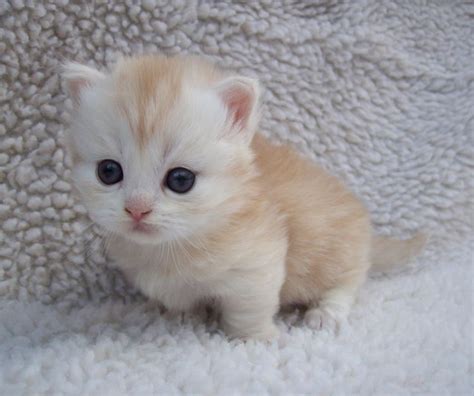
(173,278)
(176,291)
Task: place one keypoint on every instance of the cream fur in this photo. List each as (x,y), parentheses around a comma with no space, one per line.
(262,227)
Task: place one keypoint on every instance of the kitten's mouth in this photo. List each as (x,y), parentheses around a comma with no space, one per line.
(143,228)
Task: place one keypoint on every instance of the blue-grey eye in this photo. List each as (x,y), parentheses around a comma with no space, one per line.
(109,172)
(180,180)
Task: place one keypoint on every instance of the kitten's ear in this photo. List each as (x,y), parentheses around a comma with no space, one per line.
(78,77)
(240,96)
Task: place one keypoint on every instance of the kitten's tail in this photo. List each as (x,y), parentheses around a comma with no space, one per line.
(388,253)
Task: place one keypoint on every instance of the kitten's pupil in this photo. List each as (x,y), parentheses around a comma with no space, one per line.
(180,180)
(109,172)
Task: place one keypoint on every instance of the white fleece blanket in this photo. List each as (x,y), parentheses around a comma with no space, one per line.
(379,92)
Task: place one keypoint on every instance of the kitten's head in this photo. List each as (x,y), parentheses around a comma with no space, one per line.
(160,146)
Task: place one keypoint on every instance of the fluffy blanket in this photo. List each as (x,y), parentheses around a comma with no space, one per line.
(379,92)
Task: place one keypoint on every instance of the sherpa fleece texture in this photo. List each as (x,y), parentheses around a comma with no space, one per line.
(379,92)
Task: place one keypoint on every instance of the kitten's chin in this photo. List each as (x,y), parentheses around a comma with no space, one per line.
(140,235)
(143,237)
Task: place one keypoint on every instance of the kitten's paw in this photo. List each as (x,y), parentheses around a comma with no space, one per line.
(320,319)
(267,334)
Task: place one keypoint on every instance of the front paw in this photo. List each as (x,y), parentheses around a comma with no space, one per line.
(265,333)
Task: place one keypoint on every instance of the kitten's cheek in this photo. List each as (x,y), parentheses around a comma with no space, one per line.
(101,218)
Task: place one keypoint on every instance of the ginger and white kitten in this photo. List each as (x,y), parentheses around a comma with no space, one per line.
(199,208)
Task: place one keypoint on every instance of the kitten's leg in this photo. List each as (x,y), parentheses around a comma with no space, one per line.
(334,305)
(251,302)
(250,317)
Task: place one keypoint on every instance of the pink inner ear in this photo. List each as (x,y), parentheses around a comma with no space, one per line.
(75,88)
(238,100)
(239,106)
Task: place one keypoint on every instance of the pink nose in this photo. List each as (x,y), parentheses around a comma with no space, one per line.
(137,212)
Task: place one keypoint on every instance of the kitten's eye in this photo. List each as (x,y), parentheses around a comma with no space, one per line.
(180,180)
(109,172)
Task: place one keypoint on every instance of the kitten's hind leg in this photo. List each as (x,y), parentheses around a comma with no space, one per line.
(334,305)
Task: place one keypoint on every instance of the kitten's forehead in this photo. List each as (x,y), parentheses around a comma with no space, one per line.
(149,88)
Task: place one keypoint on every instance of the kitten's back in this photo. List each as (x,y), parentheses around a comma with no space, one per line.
(326,222)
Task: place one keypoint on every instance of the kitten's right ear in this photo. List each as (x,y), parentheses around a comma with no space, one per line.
(78,77)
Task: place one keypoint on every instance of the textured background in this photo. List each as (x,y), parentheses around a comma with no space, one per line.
(379,92)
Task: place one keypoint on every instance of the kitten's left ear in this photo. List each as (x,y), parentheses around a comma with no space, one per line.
(240,96)
(78,77)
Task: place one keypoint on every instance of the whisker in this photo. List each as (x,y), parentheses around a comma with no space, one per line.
(177,265)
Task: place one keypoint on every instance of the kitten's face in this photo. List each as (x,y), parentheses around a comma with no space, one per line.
(160,154)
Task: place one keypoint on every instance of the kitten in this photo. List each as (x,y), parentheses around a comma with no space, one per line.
(199,208)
